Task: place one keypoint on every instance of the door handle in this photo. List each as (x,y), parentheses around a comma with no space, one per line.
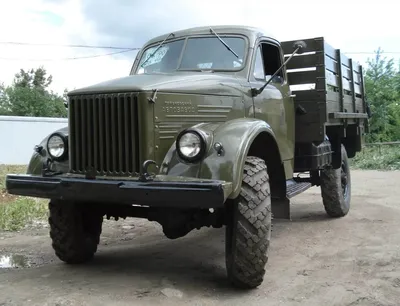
(292,96)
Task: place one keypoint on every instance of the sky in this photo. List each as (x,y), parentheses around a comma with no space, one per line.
(351,25)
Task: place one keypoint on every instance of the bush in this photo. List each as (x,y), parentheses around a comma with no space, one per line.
(378,158)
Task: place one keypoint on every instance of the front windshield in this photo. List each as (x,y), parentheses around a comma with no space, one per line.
(200,53)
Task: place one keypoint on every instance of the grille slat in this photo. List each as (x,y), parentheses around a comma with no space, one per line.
(128,155)
(114,135)
(101,134)
(108,134)
(104,134)
(120,134)
(89,133)
(95,105)
(72,133)
(83,152)
(133,132)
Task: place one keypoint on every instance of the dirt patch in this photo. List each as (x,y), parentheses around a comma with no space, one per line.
(314,260)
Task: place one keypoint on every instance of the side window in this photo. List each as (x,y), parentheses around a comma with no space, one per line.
(259,73)
(272,60)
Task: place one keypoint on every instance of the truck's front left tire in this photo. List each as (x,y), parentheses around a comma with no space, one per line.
(74,230)
(248,229)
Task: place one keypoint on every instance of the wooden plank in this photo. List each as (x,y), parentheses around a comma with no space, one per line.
(302,77)
(340,79)
(345,60)
(348,104)
(346,84)
(332,79)
(330,51)
(313,45)
(309,95)
(332,96)
(343,115)
(356,67)
(353,94)
(362,89)
(357,77)
(330,64)
(339,122)
(312,106)
(310,132)
(306,61)
(357,89)
(360,105)
(332,106)
(309,118)
(346,72)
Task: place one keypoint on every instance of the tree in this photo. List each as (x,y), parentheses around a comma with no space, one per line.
(29,96)
(382,89)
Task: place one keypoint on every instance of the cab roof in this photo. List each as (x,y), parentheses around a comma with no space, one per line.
(252,32)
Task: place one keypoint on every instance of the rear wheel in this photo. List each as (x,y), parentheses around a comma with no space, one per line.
(248,230)
(336,188)
(75,231)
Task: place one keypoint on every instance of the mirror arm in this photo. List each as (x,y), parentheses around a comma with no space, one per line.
(256,91)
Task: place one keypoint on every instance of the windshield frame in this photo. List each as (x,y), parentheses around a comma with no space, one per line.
(186,39)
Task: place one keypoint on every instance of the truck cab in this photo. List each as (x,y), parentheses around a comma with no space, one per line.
(206,130)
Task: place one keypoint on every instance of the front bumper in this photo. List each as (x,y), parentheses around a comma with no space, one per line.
(162,191)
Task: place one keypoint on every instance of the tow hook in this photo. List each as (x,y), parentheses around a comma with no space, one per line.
(145,176)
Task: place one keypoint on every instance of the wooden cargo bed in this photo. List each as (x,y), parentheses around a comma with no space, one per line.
(329,89)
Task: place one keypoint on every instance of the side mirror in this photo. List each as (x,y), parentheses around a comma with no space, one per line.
(299,46)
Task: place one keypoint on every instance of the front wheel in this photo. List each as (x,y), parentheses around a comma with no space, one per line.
(75,231)
(336,188)
(248,230)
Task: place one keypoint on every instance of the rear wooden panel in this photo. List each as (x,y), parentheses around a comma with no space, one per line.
(328,86)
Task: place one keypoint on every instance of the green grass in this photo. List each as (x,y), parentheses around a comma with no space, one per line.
(375,158)
(5,169)
(17,212)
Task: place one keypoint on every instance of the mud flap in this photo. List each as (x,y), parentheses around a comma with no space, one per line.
(281,208)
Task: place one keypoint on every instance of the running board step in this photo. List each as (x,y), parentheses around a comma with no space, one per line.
(293,188)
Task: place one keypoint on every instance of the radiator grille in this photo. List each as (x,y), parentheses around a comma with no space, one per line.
(103,134)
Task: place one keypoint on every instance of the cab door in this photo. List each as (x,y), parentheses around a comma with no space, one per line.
(274,105)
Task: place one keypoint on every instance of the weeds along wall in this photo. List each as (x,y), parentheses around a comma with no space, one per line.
(19,135)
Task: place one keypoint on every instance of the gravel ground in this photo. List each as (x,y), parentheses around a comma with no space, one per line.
(314,260)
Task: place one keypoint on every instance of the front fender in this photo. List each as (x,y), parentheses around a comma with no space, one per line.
(236,137)
(39,159)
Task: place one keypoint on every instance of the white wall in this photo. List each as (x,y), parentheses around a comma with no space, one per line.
(19,135)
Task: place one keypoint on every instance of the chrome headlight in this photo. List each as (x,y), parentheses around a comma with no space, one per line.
(190,146)
(57,146)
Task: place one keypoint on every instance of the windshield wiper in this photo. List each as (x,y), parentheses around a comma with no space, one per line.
(224,43)
(155,51)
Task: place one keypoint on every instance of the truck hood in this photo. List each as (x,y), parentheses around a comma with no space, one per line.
(211,83)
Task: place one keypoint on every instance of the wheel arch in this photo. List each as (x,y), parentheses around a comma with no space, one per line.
(273,160)
(240,138)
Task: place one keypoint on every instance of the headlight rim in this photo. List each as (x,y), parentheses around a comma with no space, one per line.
(203,146)
(65,140)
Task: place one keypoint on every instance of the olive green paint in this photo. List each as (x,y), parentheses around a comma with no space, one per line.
(236,137)
(219,104)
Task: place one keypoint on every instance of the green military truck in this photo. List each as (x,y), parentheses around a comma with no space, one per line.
(214,126)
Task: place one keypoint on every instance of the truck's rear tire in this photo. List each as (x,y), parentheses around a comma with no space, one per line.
(248,230)
(75,232)
(336,188)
